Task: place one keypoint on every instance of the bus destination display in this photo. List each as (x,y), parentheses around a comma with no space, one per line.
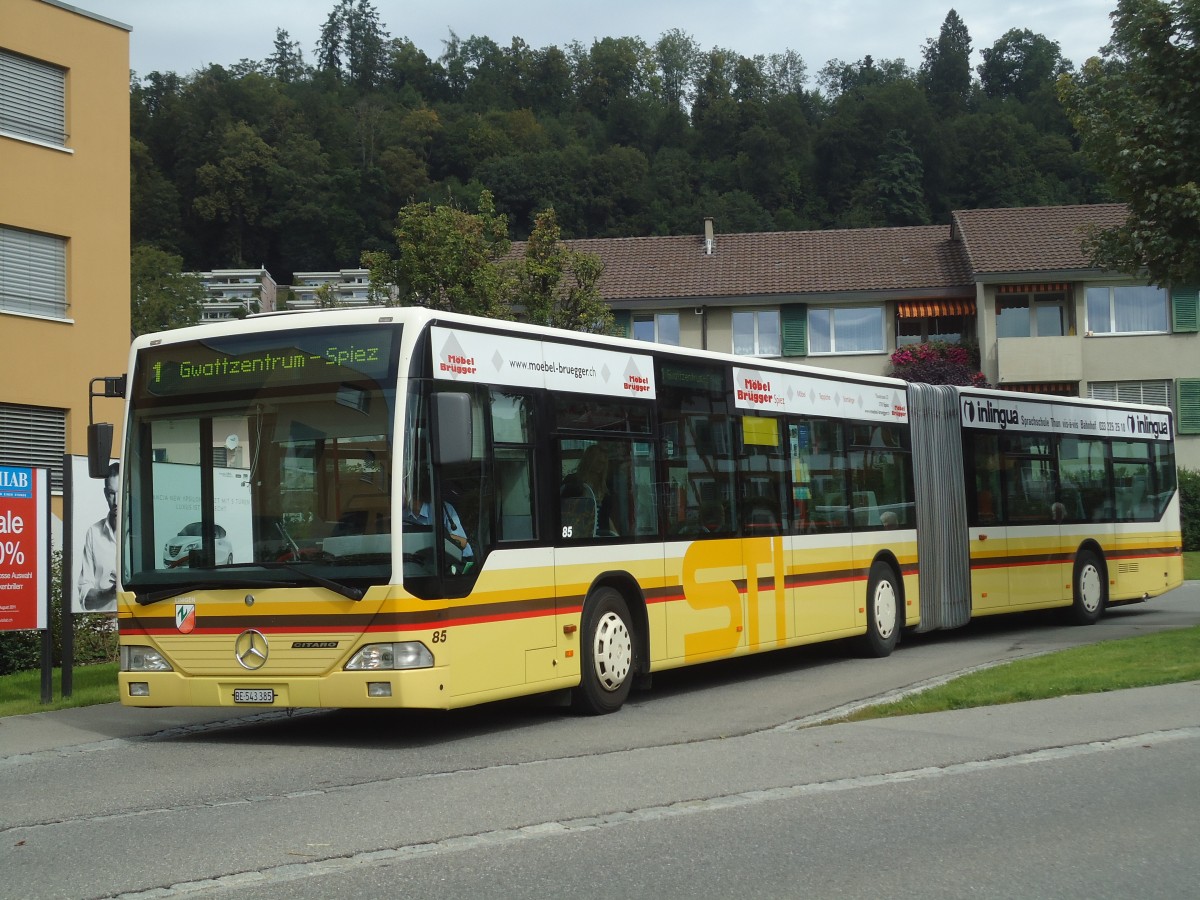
(287,359)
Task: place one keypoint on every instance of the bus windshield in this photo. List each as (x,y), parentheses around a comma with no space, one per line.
(261,459)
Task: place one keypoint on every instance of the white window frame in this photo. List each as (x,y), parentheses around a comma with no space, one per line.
(33,274)
(655,320)
(758,338)
(33,100)
(834,350)
(1035,302)
(1110,329)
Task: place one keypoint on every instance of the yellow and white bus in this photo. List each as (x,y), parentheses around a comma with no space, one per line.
(403,508)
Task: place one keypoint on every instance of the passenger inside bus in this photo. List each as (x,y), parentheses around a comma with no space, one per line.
(586,503)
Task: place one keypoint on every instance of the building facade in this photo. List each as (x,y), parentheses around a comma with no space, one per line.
(236,293)
(343,288)
(64,226)
(1013,282)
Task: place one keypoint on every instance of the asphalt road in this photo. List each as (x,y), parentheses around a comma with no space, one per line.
(709,785)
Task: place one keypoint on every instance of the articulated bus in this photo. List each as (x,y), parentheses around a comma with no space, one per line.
(404,508)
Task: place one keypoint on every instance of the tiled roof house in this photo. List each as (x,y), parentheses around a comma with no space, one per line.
(1015,281)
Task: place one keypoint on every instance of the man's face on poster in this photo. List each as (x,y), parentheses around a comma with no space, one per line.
(110,494)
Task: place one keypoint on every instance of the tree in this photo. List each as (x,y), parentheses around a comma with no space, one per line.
(287,61)
(1137,112)
(945,72)
(162,295)
(838,78)
(894,193)
(353,42)
(154,200)
(1020,63)
(236,186)
(448,260)
(679,58)
(365,42)
(557,286)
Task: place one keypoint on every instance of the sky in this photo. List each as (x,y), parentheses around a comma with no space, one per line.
(185,35)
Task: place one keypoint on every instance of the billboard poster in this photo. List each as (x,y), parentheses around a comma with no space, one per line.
(177,523)
(772,391)
(523,362)
(93,538)
(24,548)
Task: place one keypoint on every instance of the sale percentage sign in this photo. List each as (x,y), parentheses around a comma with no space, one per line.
(10,551)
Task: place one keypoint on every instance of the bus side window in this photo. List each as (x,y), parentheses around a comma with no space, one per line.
(512,436)
(989,506)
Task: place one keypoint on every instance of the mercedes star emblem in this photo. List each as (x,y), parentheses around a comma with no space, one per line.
(251,649)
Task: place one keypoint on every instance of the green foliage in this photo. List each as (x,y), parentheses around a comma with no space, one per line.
(449,259)
(558,287)
(95,635)
(300,167)
(162,296)
(945,72)
(453,260)
(1166,658)
(233,187)
(938,362)
(21,692)
(1189,508)
(1021,64)
(1137,112)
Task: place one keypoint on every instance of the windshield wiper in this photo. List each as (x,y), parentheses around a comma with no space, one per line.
(168,593)
(350,593)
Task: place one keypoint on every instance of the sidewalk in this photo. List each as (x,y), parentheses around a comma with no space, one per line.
(1027,726)
(67,728)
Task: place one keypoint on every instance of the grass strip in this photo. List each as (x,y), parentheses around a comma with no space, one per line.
(1165,658)
(21,693)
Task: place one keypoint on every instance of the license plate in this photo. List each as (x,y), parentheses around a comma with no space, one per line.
(254,695)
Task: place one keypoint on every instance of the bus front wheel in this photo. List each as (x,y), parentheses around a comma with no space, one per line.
(883,611)
(606,654)
(1091,589)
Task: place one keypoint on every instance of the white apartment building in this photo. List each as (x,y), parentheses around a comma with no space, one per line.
(234,293)
(343,288)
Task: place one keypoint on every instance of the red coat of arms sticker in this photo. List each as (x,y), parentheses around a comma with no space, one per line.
(185,617)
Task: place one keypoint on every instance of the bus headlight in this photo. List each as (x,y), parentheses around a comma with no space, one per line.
(136,658)
(403,655)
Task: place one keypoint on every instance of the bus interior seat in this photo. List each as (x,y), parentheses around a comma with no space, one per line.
(579,514)
(866,509)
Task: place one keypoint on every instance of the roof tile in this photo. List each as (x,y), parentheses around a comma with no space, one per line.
(928,259)
(1032,238)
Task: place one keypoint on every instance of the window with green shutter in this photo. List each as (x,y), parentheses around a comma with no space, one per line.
(794,328)
(1188,394)
(1185,308)
(622,322)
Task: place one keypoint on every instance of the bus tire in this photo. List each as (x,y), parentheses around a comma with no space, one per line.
(1090,589)
(607,656)
(883,611)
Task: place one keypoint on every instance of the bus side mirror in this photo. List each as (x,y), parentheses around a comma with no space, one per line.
(452,419)
(99,448)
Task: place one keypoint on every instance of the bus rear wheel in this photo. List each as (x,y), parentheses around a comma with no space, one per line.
(606,654)
(1091,589)
(883,611)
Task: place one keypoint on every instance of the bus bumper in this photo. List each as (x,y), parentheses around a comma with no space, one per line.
(411,689)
